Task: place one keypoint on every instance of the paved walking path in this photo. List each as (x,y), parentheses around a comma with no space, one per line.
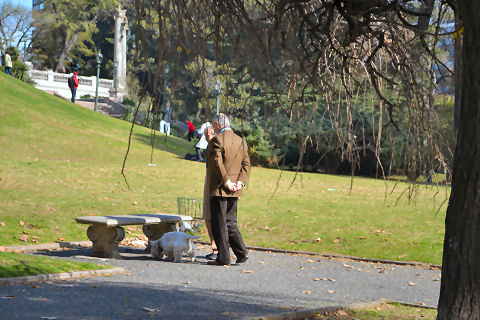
(268,283)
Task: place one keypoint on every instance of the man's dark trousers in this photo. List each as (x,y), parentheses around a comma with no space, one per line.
(225,230)
(74,93)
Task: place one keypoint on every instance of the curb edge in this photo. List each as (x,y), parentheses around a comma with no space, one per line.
(61,276)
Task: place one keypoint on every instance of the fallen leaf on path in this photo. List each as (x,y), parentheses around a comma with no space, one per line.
(151,310)
(307,291)
(348,266)
(411,283)
(310,261)
(332,291)
(341,313)
(323,279)
(383,268)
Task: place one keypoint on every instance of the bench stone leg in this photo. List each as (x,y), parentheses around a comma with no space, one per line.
(105,240)
(156,231)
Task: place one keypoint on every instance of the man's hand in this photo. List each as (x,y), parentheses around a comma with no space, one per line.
(234,186)
(239,185)
(230,185)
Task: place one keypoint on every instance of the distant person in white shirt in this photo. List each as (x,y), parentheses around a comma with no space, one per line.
(166,118)
(8,64)
(202,143)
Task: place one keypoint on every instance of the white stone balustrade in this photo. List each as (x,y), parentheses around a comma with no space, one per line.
(58,83)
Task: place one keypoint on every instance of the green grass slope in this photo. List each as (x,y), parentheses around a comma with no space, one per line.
(59,160)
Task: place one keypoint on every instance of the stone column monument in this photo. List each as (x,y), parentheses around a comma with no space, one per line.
(120,53)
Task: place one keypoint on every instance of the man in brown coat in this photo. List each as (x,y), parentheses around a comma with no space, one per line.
(228,166)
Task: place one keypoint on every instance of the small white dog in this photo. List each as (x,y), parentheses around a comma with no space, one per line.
(173,245)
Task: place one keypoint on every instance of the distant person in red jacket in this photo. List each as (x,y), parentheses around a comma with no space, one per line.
(191,130)
(73,84)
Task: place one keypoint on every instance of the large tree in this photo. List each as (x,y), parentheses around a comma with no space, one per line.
(63,24)
(15,26)
(460,288)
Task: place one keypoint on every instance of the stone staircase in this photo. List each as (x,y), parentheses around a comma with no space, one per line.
(108,106)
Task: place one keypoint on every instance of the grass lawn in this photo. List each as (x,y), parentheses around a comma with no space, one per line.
(384,311)
(60,161)
(18,265)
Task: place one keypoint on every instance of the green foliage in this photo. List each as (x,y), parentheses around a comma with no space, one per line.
(128,102)
(64,30)
(129,113)
(261,151)
(19,68)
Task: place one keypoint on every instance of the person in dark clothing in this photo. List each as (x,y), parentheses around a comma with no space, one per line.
(228,168)
(73,89)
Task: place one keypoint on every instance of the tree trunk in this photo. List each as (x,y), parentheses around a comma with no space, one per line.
(458,74)
(460,287)
(67,46)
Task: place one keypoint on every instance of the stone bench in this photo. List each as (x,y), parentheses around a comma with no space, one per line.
(106,232)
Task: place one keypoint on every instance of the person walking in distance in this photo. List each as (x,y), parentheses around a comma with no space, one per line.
(73,84)
(228,168)
(166,118)
(8,64)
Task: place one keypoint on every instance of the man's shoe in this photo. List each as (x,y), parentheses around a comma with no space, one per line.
(216,263)
(212,256)
(242,260)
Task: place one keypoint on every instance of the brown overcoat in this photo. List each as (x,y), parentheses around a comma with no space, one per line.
(227,158)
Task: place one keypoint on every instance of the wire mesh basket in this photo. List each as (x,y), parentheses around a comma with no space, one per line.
(192,207)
